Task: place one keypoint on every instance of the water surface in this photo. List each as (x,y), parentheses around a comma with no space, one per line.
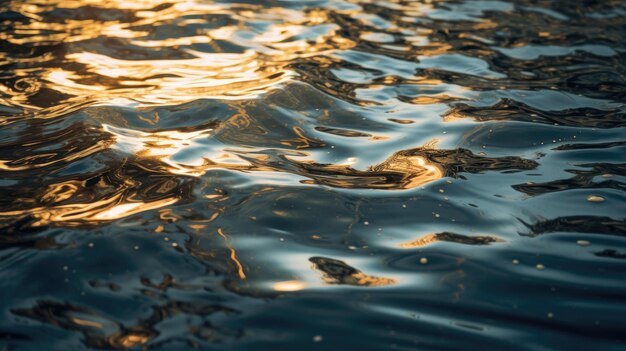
(312,175)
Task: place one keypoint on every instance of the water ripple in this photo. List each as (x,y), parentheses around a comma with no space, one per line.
(183,174)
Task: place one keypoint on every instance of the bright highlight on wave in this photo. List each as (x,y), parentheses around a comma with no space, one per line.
(246,55)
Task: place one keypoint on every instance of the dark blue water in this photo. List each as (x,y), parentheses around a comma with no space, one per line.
(312,175)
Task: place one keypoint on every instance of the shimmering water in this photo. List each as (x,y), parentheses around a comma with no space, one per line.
(312,175)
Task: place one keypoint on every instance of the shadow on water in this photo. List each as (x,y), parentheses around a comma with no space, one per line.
(322,174)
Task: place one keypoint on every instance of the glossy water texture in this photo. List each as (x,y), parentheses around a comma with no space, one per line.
(312,175)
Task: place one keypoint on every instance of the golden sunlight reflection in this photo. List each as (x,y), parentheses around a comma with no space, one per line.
(77,213)
(124,57)
(403,170)
(432,238)
(420,242)
(233,254)
(132,340)
(155,82)
(196,66)
(166,145)
(289,286)
(124,210)
(338,272)
(202,174)
(86,323)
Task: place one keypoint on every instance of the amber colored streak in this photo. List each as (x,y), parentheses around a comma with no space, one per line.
(29,162)
(199,39)
(86,323)
(434,99)
(124,210)
(233,254)
(62,191)
(131,340)
(418,169)
(396,173)
(400,171)
(262,67)
(154,82)
(453,116)
(71,30)
(432,238)
(422,241)
(46,5)
(360,279)
(368,280)
(165,144)
(301,141)
(339,272)
(103,210)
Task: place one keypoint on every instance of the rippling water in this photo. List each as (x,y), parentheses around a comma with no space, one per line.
(312,175)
